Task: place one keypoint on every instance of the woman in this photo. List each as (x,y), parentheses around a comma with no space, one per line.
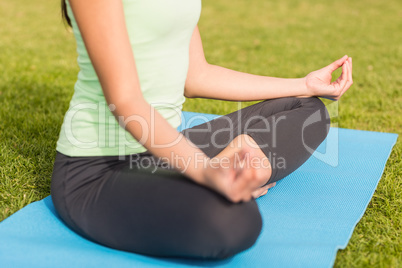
(125,177)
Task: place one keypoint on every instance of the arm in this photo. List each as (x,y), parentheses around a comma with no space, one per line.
(102,25)
(210,81)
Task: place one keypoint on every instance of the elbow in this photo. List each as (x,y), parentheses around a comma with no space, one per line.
(190,85)
(192,89)
(188,93)
(196,78)
(128,105)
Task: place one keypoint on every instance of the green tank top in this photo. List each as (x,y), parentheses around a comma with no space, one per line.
(160,33)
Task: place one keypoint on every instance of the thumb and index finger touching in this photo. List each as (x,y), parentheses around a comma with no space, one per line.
(338,63)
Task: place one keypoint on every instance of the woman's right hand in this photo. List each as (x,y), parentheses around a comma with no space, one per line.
(232,177)
(263,190)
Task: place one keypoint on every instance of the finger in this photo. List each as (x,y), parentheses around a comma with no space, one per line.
(240,188)
(251,183)
(257,193)
(347,65)
(236,161)
(271,185)
(260,194)
(348,85)
(343,78)
(349,82)
(350,78)
(338,63)
(350,70)
(260,190)
(346,78)
(264,193)
(242,155)
(339,83)
(241,175)
(246,183)
(266,187)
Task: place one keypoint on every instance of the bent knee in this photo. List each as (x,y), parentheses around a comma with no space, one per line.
(313,102)
(320,111)
(236,230)
(317,123)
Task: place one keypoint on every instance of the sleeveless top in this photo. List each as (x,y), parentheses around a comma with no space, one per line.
(160,33)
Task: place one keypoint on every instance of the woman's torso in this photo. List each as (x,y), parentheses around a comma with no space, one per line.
(160,33)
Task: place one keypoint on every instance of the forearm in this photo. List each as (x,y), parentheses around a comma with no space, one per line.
(215,82)
(147,126)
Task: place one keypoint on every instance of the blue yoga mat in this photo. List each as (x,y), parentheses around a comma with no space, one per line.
(307,217)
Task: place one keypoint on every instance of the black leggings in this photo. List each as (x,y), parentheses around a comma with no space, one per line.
(162,213)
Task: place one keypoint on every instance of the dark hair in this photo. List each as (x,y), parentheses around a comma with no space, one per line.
(64,14)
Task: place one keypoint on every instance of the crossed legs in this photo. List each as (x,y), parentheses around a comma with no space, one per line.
(165,214)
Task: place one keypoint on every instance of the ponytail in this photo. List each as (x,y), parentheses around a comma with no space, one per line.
(64,14)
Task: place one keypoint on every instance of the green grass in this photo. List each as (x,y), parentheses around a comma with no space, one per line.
(285,38)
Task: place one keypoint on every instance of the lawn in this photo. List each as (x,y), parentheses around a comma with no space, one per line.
(285,38)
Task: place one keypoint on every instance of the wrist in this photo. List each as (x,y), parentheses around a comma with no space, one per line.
(196,171)
(304,90)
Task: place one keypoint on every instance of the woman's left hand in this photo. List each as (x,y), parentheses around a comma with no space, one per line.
(319,82)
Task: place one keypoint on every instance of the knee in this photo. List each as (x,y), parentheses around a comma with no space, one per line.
(319,118)
(313,103)
(235,230)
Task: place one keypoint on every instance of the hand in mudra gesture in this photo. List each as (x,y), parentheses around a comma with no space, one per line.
(230,178)
(235,177)
(319,82)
